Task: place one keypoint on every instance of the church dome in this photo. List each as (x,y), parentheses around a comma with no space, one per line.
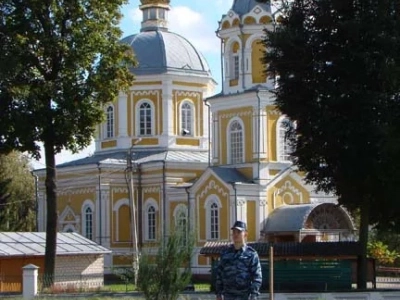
(160,51)
(242,7)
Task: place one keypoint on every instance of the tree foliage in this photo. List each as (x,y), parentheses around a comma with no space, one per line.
(17,194)
(60,62)
(381,253)
(164,275)
(390,241)
(338,68)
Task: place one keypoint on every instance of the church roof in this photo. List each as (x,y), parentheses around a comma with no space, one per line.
(140,156)
(253,89)
(289,217)
(34,244)
(242,7)
(292,218)
(159,52)
(230,175)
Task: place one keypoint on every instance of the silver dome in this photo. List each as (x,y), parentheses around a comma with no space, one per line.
(162,51)
(242,7)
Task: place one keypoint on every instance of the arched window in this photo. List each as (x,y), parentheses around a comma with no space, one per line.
(181,222)
(87,213)
(283,144)
(151,223)
(235,142)
(150,210)
(145,119)
(212,207)
(122,213)
(187,119)
(214,221)
(110,122)
(88,223)
(235,61)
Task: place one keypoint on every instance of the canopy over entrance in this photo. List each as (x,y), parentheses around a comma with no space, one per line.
(315,222)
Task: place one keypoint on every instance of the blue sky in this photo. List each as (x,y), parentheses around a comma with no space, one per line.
(196,20)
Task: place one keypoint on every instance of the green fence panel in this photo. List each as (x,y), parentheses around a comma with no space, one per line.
(304,275)
(295,275)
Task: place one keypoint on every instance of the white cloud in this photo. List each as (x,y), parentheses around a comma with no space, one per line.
(195,27)
(135,15)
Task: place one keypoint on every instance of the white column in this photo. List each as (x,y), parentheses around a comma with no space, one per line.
(168,115)
(241,209)
(122,115)
(248,75)
(216,136)
(124,141)
(101,223)
(225,80)
(260,132)
(29,281)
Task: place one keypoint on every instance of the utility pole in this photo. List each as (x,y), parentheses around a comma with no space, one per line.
(133,213)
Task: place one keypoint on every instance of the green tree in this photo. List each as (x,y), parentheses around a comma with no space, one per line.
(389,239)
(61,62)
(337,64)
(17,194)
(381,253)
(164,275)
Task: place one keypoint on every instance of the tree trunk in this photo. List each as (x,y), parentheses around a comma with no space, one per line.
(51,226)
(362,263)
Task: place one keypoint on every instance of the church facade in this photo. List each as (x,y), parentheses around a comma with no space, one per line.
(174,155)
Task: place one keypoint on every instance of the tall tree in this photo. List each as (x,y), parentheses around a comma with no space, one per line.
(337,64)
(17,194)
(61,61)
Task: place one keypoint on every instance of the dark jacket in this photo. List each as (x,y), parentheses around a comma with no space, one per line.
(239,273)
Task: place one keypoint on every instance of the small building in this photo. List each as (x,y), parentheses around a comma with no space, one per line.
(79,261)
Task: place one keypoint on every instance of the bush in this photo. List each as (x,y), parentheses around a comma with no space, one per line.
(164,275)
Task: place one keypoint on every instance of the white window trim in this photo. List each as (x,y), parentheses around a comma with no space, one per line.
(149,202)
(137,116)
(211,199)
(180,208)
(279,150)
(235,74)
(192,128)
(230,61)
(228,136)
(87,203)
(105,127)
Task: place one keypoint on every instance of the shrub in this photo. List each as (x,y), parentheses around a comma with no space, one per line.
(164,275)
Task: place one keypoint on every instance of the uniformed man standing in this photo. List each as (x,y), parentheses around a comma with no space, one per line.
(239,269)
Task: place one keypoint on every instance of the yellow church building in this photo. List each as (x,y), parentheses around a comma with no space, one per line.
(174,155)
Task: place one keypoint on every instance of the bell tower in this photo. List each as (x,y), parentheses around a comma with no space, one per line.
(155,15)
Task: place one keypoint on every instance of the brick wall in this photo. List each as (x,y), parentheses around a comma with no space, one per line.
(79,272)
